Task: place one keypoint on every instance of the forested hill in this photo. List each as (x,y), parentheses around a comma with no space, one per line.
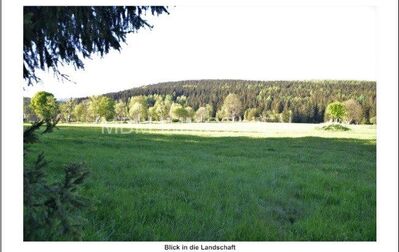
(306,100)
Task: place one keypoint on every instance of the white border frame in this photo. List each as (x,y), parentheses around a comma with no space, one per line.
(387,131)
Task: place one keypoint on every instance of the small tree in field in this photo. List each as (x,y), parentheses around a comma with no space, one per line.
(152,114)
(232,106)
(137,111)
(121,110)
(45,106)
(66,110)
(173,111)
(161,108)
(354,111)
(336,111)
(181,113)
(177,112)
(101,107)
(202,114)
(190,113)
(138,108)
(81,111)
(251,114)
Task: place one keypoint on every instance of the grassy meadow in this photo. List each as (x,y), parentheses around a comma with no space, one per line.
(198,183)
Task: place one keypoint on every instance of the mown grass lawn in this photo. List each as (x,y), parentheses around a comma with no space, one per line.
(185,187)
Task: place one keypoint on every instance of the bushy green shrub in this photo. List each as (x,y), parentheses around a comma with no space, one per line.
(335,127)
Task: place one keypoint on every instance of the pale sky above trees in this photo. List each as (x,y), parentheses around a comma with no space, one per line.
(256,43)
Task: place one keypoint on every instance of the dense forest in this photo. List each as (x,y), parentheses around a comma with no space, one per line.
(307,100)
(272,101)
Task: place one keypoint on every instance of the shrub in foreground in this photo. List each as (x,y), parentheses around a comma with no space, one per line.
(335,127)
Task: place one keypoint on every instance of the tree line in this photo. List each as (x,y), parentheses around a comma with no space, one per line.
(220,100)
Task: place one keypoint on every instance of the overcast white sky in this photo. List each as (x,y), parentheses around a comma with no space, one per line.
(256,43)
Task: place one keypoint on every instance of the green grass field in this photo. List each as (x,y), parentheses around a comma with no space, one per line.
(153,186)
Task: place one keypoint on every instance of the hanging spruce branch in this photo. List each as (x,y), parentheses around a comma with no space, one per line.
(54,36)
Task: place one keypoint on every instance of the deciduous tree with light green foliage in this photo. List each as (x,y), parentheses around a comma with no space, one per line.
(251,114)
(101,107)
(66,110)
(137,112)
(81,111)
(336,111)
(190,113)
(202,114)
(172,111)
(178,112)
(161,109)
(152,114)
(138,109)
(168,101)
(181,113)
(232,106)
(45,106)
(121,110)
